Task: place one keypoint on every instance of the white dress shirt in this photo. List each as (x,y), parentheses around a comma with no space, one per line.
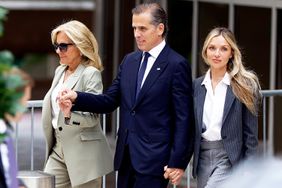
(213,107)
(54,103)
(4,153)
(154,52)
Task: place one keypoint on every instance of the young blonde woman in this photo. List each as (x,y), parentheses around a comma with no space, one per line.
(226,107)
(77,151)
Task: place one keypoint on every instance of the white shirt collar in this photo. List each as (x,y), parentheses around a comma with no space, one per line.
(226,79)
(157,49)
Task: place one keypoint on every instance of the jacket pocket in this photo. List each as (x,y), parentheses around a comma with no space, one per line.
(88,136)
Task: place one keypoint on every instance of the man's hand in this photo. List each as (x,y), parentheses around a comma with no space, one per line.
(174,174)
(65,99)
(67,94)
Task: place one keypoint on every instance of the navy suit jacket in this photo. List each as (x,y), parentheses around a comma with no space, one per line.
(159,123)
(239,126)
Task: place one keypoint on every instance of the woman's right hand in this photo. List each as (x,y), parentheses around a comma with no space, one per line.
(65,107)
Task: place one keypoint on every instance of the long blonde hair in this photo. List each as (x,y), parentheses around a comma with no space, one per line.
(84,40)
(244,83)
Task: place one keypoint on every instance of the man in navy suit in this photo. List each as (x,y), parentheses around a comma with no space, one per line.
(155,137)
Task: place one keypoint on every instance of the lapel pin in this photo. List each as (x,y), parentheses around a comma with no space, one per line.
(158,69)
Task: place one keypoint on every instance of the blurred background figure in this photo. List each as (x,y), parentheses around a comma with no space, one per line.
(78,153)
(15,91)
(258,173)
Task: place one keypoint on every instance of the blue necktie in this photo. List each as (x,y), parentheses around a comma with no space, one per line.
(141,73)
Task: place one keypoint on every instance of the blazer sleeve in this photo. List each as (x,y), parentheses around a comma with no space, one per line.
(182,92)
(102,103)
(92,81)
(250,132)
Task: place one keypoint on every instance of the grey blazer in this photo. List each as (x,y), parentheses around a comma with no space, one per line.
(86,151)
(239,126)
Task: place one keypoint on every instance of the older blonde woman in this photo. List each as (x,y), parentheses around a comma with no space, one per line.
(77,150)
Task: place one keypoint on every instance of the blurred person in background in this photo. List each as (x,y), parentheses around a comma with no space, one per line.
(257,173)
(78,153)
(15,91)
(226,102)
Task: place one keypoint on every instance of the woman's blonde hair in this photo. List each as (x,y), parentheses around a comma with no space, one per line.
(83,39)
(244,83)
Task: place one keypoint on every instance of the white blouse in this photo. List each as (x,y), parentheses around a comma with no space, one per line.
(213,107)
(54,104)
(5,153)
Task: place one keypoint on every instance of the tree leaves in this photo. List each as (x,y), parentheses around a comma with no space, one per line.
(9,83)
(3,13)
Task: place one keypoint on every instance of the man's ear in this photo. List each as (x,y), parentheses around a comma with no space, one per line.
(160,29)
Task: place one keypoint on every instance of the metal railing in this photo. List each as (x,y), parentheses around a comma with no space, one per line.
(268,94)
(38,104)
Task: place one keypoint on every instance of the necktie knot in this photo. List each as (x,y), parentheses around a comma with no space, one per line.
(146,56)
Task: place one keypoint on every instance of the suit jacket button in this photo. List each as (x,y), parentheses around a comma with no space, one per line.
(60,128)
(133,113)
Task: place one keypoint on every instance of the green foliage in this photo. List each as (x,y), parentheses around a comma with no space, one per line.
(9,94)
(9,83)
(3,13)
(6,58)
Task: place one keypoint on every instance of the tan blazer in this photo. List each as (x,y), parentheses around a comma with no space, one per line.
(86,151)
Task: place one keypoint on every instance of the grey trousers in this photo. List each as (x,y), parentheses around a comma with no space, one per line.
(214,166)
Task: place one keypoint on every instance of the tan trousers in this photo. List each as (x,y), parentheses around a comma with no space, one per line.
(56,166)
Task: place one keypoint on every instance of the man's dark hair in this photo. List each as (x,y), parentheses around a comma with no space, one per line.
(158,14)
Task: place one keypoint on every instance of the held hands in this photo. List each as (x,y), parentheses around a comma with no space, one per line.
(65,99)
(174,174)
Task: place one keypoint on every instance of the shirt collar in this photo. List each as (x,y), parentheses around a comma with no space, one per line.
(226,79)
(155,52)
(207,78)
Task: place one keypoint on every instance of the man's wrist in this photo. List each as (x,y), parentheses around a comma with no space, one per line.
(74,98)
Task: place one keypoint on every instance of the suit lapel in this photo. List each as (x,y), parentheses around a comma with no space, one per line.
(132,73)
(58,76)
(230,97)
(200,100)
(156,70)
(47,99)
(73,79)
(56,79)
(71,83)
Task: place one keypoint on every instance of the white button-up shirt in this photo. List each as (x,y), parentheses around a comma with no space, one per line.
(5,154)
(213,107)
(54,103)
(154,52)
